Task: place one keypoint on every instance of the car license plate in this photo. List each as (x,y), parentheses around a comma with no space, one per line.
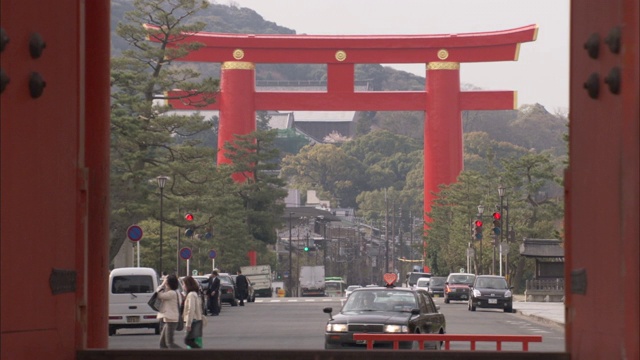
(463,297)
(493,301)
(361,342)
(133,319)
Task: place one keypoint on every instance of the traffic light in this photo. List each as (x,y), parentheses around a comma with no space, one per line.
(189,231)
(306,248)
(477,229)
(496,223)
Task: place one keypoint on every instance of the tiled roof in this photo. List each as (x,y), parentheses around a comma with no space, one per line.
(550,248)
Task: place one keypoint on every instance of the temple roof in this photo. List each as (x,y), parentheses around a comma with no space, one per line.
(548,248)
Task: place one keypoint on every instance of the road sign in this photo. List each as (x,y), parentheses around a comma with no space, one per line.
(134,233)
(212,254)
(185,253)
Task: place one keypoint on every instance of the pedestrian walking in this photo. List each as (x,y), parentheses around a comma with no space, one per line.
(194,320)
(242,287)
(213,293)
(169,312)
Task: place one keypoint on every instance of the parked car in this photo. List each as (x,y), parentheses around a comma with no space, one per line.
(227,289)
(457,286)
(436,286)
(384,310)
(251,296)
(350,289)
(490,291)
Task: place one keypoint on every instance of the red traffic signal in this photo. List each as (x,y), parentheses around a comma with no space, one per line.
(496,215)
(188,217)
(477,229)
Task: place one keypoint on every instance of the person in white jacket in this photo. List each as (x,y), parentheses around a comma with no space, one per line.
(193,318)
(169,311)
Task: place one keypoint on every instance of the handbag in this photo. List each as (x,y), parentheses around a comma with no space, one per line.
(196,330)
(180,326)
(155,302)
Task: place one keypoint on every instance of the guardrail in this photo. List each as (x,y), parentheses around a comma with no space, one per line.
(447,339)
(545,284)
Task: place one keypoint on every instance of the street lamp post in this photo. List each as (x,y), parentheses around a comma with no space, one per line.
(162,181)
(501,190)
(480,211)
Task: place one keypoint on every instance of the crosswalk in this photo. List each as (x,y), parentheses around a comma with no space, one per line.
(300,300)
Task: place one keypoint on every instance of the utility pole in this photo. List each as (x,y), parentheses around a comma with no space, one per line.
(325,243)
(501,190)
(386,232)
(411,236)
(290,259)
(393,235)
(480,211)
(506,228)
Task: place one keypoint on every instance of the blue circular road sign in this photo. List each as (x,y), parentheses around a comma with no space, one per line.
(134,233)
(212,254)
(185,253)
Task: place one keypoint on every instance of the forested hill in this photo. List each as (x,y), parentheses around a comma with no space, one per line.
(530,127)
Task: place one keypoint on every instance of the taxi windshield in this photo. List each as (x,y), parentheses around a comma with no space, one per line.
(380,300)
(461,279)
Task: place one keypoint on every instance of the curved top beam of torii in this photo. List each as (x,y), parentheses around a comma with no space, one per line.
(442,101)
(359,49)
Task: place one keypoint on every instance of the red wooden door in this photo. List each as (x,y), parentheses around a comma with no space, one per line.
(602,186)
(49,167)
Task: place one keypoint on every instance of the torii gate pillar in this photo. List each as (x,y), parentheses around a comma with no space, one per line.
(442,128)
(237,112)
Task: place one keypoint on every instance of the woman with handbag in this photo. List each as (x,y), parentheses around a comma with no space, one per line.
(193,318)
(169,313)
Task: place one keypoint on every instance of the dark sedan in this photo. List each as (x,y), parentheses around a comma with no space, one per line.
(384,310)
(227,289)
(436,286)
(490,291)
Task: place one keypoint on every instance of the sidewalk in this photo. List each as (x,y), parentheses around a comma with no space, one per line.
(550,312)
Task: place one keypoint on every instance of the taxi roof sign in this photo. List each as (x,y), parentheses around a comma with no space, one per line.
(390,279)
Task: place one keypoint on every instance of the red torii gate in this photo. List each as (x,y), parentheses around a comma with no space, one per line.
(442,101)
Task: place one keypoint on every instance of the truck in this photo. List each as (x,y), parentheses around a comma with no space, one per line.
(312,281)
(260,278)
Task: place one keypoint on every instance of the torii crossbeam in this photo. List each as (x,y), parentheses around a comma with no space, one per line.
(442,101)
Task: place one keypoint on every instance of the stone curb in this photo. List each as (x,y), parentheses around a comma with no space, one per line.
(539,318)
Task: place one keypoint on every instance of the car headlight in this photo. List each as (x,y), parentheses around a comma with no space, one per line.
(336,328)
(396,329)
(477,293)
(507,294)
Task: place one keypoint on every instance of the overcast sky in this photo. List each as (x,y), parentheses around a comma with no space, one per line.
(541,75)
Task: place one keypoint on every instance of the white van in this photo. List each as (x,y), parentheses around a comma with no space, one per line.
(130,289)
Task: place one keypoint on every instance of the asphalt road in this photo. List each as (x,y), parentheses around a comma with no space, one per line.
(298,323)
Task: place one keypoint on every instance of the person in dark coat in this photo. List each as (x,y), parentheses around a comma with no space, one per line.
(242,287)
(213,293)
